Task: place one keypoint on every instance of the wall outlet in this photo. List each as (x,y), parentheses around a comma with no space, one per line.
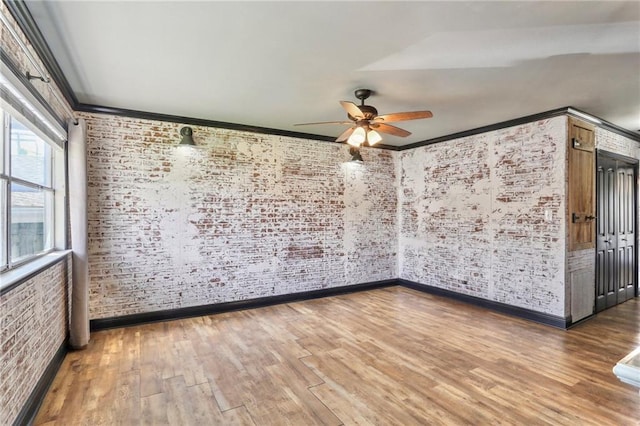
(548,215)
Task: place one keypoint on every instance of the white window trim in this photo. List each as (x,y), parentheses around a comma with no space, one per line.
(23,98)
(58,188)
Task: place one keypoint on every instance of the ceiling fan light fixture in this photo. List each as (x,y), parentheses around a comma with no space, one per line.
(373,137)
(357,137)
(363,119)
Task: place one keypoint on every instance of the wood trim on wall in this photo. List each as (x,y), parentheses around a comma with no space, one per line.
(27,24)
(58,256)
(515,311)
(29,410)
(6,62)
(216,308)
(194,311)
(98,109)
(490,128)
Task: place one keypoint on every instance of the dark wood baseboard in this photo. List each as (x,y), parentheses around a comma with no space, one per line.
(528,314)
(27,415)
(216,308)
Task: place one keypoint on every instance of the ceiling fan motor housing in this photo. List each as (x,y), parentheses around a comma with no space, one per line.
(368,111)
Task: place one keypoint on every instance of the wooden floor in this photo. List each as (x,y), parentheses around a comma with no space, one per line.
(391,356)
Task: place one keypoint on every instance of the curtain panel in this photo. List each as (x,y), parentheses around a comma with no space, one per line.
(77,159)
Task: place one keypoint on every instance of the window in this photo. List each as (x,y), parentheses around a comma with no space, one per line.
(28,174)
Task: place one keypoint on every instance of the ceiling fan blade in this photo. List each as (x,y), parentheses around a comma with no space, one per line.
(352,109)
(345,135)
(324,122)
(392,130)
(403,116)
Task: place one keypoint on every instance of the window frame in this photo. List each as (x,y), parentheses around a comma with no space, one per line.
(51,196)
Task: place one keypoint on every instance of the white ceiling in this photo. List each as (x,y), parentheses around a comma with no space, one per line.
(274,64)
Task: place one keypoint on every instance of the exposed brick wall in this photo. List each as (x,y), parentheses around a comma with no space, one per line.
(472,215)
(33,325)
(618,144)
(241,216)
(33,316)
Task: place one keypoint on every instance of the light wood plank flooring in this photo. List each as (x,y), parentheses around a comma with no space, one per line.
(390,356)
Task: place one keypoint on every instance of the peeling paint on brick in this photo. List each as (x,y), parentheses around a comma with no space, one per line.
(472,215)
(239,217)
(34,315)
(33,325)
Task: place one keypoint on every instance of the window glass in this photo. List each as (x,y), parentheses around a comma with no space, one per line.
(28,225)
(3,224)
(30,155)
(3,148)
(32,198)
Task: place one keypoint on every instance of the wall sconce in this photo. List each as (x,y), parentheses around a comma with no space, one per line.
(355,155)
(187,136)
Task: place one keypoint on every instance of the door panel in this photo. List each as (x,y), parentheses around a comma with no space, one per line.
(626,234)
(606,294)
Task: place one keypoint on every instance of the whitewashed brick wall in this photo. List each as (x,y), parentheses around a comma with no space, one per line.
(33,316)
(472,215)
(241,216)
(33,326)
(618,144)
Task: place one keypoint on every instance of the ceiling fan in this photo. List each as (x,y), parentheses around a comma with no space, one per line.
(366,123)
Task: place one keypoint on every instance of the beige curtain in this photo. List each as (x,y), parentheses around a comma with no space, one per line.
(77,152)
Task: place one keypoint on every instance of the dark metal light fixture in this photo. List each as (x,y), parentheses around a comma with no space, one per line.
(355,155)
(187,136)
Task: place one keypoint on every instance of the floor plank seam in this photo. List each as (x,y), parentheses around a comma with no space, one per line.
(322,402)
(230,408)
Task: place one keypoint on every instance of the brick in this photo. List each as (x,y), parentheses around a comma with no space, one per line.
(241,216)
(472,215)
(34,325)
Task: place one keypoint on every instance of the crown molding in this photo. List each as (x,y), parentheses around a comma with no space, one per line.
(27,24)
(8,64)
(571,111)
(604,124)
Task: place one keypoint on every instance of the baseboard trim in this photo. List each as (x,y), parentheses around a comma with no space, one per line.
(27,415)
(528,314)
(216,308)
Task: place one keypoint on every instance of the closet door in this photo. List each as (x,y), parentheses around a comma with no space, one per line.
(606,284)
(615,232)
(626,253)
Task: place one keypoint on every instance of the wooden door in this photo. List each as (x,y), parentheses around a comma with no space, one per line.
(605,234)
(581,160)
(626,256)
(615,231)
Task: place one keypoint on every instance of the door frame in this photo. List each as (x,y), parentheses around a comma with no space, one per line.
(634,163)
